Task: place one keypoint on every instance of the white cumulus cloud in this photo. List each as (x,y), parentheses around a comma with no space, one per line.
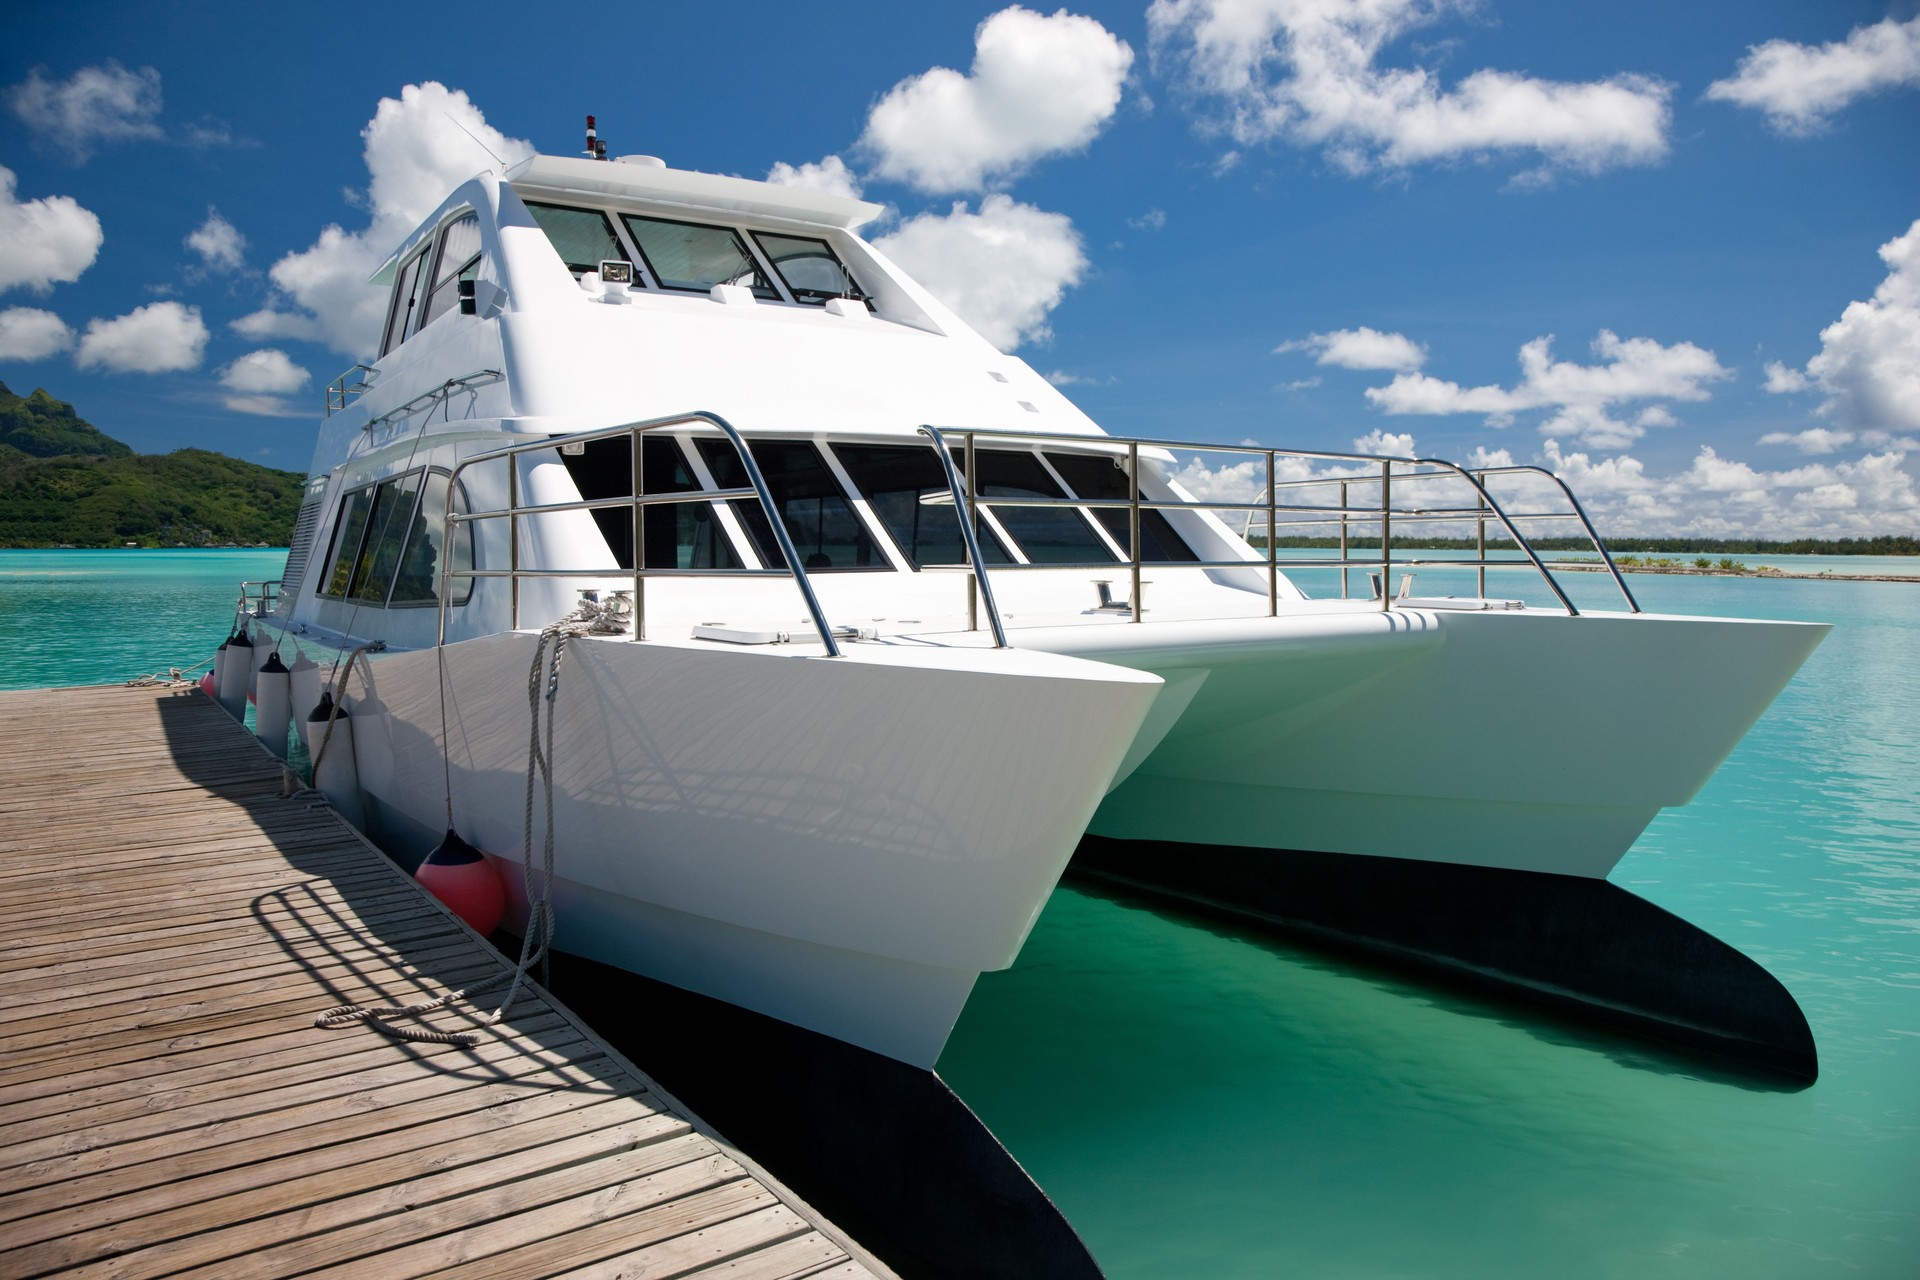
(264,372)
(218,242)
(1384,444)
(161,337)
(1784,381)
(1812,440)
(1308,72)
(1002,269)
(1583,398)
(1716,496)
(1869,360)
(107,103)
(1710,495)
(28,333)
(418,148)
(829,174)
(1801,87)
(1361,348)
(43,242)
(1039,86)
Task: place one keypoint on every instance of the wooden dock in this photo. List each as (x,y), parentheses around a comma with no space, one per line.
(170,925)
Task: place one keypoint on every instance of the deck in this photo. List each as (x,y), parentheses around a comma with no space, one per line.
(170,925)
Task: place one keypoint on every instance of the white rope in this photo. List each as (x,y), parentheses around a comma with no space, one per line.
(175,677)
(543,684)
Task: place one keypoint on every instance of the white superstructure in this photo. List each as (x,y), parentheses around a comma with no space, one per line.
(847,841)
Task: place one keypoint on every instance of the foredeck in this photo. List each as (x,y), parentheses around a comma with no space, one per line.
(170,925)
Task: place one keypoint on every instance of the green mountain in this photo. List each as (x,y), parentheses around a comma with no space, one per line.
(64,482)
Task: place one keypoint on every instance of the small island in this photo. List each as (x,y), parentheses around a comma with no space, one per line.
(66,483)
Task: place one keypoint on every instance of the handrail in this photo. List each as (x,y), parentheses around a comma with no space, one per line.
(438,390)
(1375,469)
(341,392)
(262,602)
(963,507)
(633,431)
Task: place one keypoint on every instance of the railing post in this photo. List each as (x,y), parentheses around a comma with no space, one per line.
(1482,522)
(513,539)
(973,523)
(1386,534)
(1133,525)
(1346,519)
(639,540)
(1273,544)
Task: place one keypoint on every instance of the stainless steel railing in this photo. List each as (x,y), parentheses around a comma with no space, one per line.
(515,511)
(1275,505)
(1366,470)
(258,599)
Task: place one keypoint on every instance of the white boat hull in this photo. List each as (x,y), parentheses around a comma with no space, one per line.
(841,843)
(1513,739)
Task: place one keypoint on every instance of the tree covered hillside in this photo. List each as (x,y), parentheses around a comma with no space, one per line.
(63,482)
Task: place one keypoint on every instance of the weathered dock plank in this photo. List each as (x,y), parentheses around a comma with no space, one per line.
(172,918)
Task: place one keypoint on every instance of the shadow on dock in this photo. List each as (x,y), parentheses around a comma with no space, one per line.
(885,1151)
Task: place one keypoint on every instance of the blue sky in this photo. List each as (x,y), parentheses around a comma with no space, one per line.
(1668,250)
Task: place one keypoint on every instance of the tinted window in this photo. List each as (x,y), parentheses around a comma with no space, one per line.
(405,286)
(808,267)
(679,535)
(459,259)
(348,534)
(582,237)
(1047,535)
(387,527)
(1100,478)
(896,480)
(418,578)
(684,255)
(826,531)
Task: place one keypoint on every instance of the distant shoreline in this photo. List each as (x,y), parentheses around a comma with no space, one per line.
(1688,571)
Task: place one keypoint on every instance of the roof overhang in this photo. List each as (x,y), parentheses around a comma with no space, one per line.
(567,175)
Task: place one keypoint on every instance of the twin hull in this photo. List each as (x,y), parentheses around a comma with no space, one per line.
(847,843)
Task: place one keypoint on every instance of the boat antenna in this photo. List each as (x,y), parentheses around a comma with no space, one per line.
(476,139)
(596,149)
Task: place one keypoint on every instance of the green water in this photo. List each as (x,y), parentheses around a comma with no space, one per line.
(1201,1102)
(1205,1103)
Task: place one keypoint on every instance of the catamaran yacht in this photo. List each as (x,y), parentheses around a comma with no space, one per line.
(871,628)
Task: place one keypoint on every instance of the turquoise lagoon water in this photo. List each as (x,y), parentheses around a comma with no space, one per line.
(101,617)
(1202,1102)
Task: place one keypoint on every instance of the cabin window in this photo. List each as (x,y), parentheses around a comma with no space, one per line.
(417,581)
(808,267)
(458,259)
(679,535)
(907,488)
(1100,477)
(686,255)
(827,533)
(583,238)
(388,543)
(387,525)
(1048,535)
(406,287)
(349,531)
